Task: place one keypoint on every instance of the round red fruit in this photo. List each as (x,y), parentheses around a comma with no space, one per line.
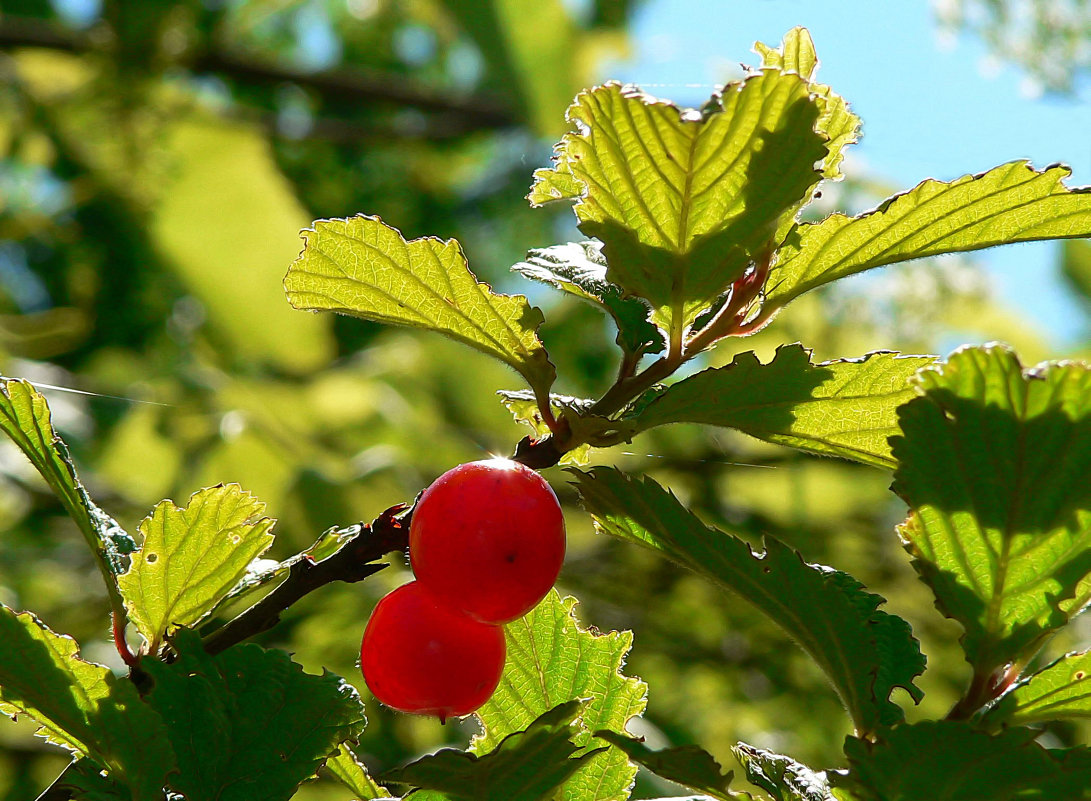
(419,657)
(487,538)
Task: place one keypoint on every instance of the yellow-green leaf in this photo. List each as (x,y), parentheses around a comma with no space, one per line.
(993,462)
(25,418)
(1010,203)
(1061,690)
(684,200)
(363,267)
(552,659)
(797,54)
(192,557)
(842,408)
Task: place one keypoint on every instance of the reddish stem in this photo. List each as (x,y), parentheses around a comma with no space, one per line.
(119,640)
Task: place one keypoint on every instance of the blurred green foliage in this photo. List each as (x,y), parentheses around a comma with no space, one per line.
(157,160)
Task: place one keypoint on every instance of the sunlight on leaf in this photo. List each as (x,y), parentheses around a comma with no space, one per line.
(552,660)
(844,408)
(1059,691)
(993,462)
(363,267)
(1011,203)
(192,557)
(684,200)
(346,768)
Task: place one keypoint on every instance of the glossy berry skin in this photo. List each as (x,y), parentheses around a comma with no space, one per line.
(487,538)
(419,657)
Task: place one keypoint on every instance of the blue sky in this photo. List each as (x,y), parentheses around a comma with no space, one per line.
(930,110)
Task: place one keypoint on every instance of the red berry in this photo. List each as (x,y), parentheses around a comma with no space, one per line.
(422,658)
(487,538)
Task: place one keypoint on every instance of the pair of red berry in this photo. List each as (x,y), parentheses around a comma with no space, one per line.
(486,544)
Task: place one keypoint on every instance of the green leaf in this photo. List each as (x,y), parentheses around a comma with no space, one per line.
(782,777)
(682,200)
(1010,203)
(864,652)
(551,660)
(993,462)
(347,769)
(524,766)
(842,127)
(687,765)
(248,722)
(363,267)
(1061,690)
(192,557)
(25,418)
(844,408)
(592,430)
(84,779)
(81,706)
(579,268)
(949,760)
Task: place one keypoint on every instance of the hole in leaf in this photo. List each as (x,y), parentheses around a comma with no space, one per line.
(151,558)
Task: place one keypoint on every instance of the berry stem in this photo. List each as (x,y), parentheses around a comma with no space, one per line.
(355,561)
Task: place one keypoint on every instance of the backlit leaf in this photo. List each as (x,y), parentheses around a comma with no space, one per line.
(1058,691)
(524,766)
(1010,203)
(797,54)
(346,768)
(551,660)
(841,408)
(81,706)
(684,200)
(249,723)
(192,557)
(864,652)
(25,418)
(993,462)
(363,267)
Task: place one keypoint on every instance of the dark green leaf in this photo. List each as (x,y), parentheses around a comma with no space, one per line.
(363,267)
(524,766)
(551,660)
(81,706)
(682,200)
(782,777)
(579,268)
(865,652)
(688,765)
(842,408)
(249,723)
(993,462)
(951,761)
